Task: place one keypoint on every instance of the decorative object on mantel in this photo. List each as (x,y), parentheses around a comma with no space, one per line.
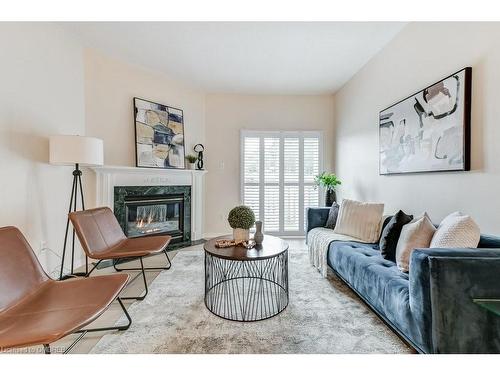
(258,236)
(223,243)
(428,131)
(159,133)
(75,150)
(199,148)
(241,219)
(191,159)
(330,182)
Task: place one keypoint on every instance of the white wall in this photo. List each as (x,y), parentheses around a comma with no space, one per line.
(226,115)
(41,93)
(110,86)
(421,54)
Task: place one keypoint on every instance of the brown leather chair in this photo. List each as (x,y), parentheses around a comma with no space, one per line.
(102,238)
(37,310)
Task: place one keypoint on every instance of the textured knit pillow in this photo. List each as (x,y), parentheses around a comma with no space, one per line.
(456,230)
(360,220)
(390,235)
(332,216)
(415,235)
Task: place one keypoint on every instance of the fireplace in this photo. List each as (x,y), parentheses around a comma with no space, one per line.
(154,210)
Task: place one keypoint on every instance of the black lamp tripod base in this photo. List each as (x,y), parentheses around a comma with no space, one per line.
(77,188)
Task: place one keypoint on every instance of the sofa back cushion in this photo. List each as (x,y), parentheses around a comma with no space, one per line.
(456,231)
(360,220)
(414,235)
(390,235)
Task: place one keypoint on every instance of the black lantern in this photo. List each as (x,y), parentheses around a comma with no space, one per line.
(199,148)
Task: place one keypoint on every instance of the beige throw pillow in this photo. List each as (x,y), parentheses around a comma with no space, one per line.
(360,220)
(414,235)
(456,230)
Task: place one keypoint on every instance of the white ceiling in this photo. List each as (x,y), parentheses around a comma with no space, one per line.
(244,57)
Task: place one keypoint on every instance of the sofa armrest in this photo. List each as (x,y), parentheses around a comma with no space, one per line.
(443,284)
(316,217)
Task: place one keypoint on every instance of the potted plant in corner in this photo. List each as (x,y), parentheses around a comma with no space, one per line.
(191,159)
(241,219)
(330,182)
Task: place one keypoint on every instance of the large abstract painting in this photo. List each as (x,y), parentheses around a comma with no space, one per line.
(159,133)
(430,130)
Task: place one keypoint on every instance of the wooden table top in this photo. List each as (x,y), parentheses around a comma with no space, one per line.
(271,247)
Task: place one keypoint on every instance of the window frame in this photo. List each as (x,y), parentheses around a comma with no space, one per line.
(282,134)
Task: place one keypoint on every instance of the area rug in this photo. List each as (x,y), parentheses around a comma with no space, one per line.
(323,316)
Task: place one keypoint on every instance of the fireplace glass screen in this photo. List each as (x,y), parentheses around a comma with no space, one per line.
(154,217)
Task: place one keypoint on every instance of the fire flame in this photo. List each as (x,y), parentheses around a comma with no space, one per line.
(142,222)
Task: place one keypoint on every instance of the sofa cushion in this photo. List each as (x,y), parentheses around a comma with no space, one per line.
(332,216)
(456,231)
(360,220)
(390,235)
(417,234)
(318,241)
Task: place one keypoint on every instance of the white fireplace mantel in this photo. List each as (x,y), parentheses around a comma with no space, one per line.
(107,177)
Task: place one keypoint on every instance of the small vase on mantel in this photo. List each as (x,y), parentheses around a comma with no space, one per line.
(330,197)
(258,237)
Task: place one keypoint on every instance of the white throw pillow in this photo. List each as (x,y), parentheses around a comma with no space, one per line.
(360,220)
(414,235)
(456,230)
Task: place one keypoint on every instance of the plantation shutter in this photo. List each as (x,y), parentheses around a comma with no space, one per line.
(271,202)
(278,170)
(291,181)
(311,170)
(251,174)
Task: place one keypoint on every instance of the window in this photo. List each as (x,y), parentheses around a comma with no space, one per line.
(277,182)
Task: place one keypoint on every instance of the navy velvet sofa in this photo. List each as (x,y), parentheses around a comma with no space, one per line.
(432,307)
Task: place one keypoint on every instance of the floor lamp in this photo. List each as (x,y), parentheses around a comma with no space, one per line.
(78,151)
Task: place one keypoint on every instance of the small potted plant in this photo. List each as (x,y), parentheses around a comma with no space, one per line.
(191,159)
(330,182)
(241,219)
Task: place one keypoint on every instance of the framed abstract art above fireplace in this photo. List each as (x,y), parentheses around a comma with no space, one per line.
(159,135)
(428,131)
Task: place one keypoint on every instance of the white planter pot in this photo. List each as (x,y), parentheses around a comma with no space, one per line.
(240,234)
(191,166)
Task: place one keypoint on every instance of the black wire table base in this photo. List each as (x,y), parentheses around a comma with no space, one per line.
(246,290)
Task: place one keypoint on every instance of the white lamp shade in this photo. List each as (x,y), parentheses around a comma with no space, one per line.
(75,149)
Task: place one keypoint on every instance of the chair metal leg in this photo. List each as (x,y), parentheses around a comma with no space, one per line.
(83,332)
(119,328)
(139,298)
(68,349)
(145,268)
(143,272)
(46,348)
(87,274)
(168,260)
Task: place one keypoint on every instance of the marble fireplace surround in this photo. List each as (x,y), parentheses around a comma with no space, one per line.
(107,177)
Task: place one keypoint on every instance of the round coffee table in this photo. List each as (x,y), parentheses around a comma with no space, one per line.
(246,285)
